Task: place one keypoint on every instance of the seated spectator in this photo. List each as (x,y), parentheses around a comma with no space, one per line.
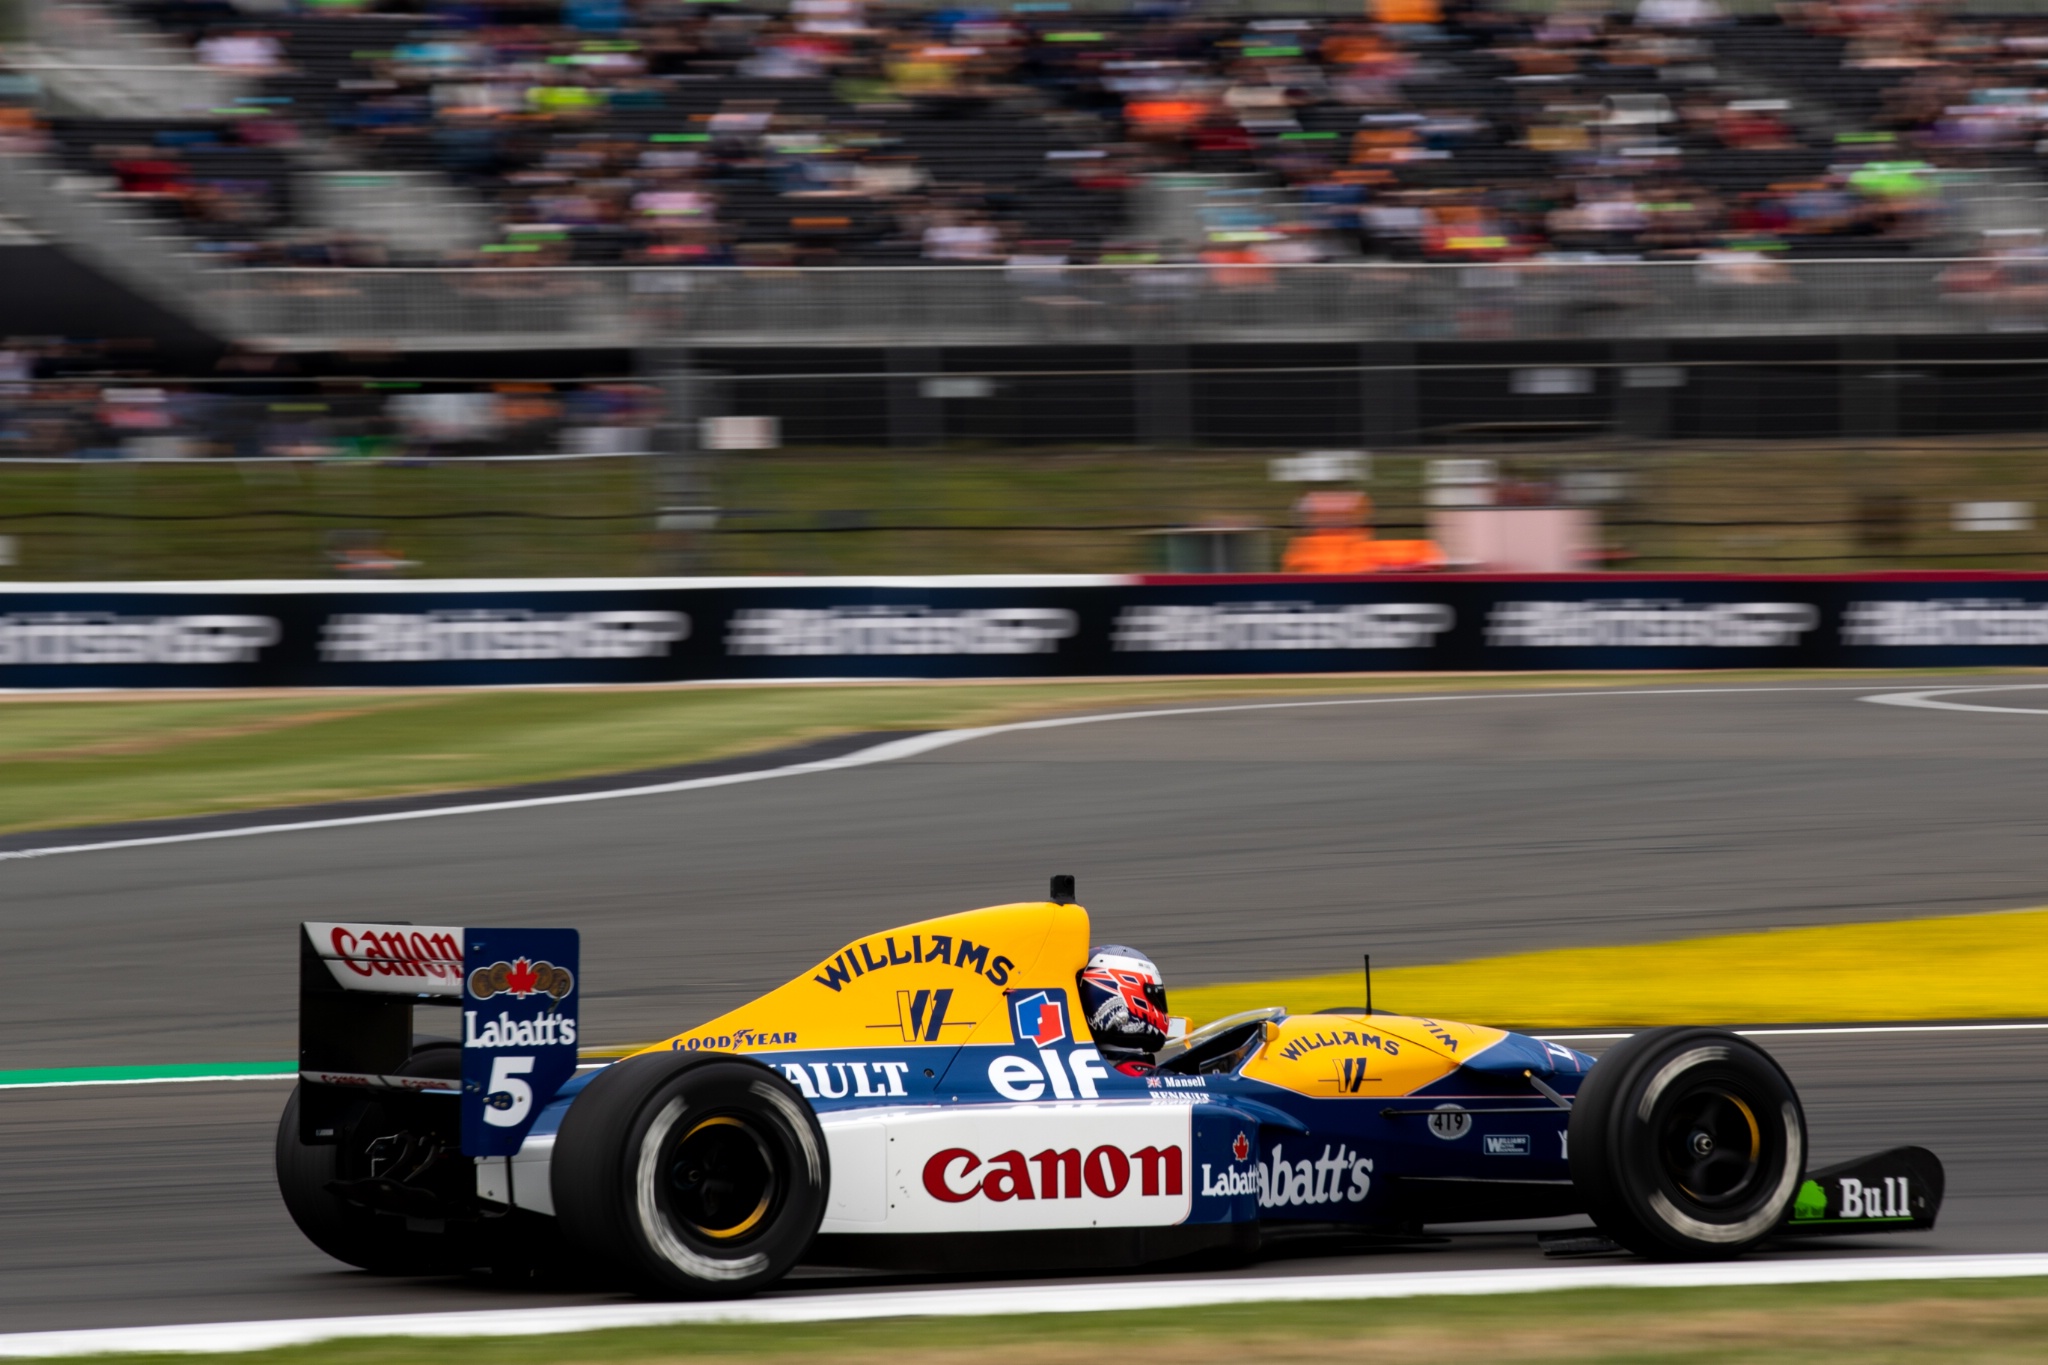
(1463,133)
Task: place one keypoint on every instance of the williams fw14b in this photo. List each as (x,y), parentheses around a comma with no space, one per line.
(987,1091)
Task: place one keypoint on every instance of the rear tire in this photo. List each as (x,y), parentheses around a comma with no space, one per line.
(695,1175)
(382,1243)
(1687,1144)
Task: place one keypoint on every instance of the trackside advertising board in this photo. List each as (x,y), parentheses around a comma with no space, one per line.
(498,632)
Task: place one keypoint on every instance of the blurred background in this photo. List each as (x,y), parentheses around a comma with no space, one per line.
(407,288)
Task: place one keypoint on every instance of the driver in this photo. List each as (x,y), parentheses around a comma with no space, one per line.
(1123,998)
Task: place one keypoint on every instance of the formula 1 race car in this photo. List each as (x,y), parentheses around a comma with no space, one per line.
(931,1098)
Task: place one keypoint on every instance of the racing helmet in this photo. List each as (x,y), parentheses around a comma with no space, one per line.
(1123,998)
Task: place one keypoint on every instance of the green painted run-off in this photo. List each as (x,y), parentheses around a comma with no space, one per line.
(168,1071)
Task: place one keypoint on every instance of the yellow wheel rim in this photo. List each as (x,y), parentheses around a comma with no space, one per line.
(760,1211)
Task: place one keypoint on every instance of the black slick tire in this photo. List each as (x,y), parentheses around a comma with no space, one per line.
(382,1243)
(692,1175)
(1687,1144)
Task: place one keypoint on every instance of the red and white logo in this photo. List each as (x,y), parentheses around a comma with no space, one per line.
(956,1175)
(402,959)
(1241,1147)
(520,979)
(397,951)
(1040,1017)
(1003,1168)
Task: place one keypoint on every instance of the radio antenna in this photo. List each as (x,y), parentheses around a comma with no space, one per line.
(1368,983)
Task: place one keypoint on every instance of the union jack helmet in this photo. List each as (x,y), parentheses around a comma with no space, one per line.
(1123,998)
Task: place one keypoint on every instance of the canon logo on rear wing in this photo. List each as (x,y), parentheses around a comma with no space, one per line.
(394,959)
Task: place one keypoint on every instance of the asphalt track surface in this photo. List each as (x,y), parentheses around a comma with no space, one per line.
(1231,845)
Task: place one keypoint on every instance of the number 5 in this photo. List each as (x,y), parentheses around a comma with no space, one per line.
(505,1074)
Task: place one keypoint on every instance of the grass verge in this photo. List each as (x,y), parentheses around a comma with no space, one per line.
(78,761)
(1745,504)
(1991,966)
(1889,1324)
(121,519)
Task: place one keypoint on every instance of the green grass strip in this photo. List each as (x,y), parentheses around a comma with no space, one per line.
(1892,1323)
(130,1075)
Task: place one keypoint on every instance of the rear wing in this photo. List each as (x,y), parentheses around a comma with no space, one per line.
(518,993)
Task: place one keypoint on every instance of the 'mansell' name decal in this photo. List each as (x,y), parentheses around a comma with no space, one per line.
(966,954)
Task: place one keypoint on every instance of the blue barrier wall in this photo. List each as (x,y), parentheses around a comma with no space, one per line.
(321,634)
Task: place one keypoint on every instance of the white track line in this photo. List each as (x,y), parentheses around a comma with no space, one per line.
(885,752)
(9,1087)
(1930,700)
(1062,1297)
(1887,1028)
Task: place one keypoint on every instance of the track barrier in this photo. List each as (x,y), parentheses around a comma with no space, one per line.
(599,631)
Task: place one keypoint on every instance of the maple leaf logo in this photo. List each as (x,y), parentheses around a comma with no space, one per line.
(522,979)
(1241,1148)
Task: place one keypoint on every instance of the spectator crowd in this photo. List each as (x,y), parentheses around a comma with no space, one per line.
(844,132)
(68,399)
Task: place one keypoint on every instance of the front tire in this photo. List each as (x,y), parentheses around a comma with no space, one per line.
(696,1175)
(1687,1143)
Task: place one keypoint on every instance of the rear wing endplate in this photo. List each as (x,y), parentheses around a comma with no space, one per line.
(517,989)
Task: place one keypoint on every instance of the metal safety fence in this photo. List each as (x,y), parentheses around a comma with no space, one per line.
(1771,457)
(1729,296)
(114,416)
(1685,505)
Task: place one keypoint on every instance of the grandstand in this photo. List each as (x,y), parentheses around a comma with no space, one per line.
(1163,226)
(836,134)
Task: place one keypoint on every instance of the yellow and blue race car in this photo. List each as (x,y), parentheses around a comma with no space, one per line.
(963,1094)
